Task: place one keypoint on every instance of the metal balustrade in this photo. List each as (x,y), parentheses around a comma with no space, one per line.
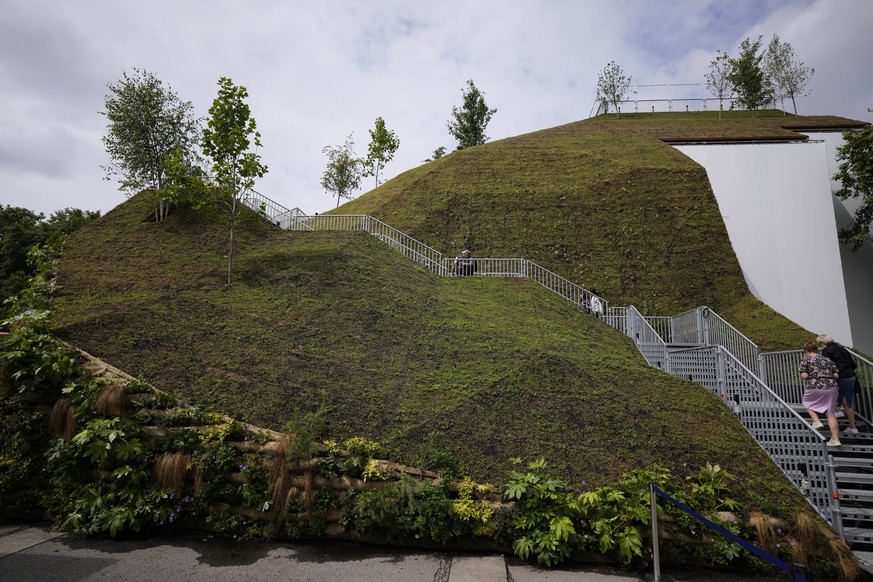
(787,437)
(781,371)
(647,340)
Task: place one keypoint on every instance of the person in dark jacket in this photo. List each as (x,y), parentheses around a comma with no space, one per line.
(846,367)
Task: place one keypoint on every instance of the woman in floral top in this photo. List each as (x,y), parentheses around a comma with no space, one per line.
(820,395)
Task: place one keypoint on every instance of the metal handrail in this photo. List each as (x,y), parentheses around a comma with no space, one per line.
(651,345)
(789,439)
(443,266)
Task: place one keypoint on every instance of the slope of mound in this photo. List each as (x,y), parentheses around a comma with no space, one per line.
(604,202)
(482,369)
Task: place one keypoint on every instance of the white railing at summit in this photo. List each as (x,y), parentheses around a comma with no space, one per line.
(787,437)
(781,371)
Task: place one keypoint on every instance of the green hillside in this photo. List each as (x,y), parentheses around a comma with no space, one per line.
(604,202)
(482,369)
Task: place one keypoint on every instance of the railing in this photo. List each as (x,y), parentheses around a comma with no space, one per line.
(647,340)
(434,260)
(781,371)
(787,437)
(719,332)
(275,212)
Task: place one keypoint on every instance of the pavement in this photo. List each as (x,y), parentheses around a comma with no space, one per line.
(36,552)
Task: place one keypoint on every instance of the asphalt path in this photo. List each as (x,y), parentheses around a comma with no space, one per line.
(36,552)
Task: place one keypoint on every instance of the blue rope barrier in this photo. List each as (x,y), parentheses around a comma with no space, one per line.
(784,566)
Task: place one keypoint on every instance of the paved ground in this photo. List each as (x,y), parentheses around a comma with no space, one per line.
(34,552)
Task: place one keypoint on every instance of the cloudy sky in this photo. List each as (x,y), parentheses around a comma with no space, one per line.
(318,71)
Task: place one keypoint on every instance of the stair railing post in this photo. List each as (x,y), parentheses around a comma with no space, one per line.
(720,379)
(656,555)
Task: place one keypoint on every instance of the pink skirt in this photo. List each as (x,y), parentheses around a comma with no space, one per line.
(820,401)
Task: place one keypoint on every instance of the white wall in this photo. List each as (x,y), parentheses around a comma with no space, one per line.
(857,265)
(777,204)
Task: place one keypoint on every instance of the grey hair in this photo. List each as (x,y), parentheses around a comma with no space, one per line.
(824,340)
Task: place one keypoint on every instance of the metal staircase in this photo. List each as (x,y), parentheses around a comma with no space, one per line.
(764,390)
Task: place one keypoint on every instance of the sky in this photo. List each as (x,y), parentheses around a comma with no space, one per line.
(317,72)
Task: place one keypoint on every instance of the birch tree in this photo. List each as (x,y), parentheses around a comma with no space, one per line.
(383,146)
(787,73)
(343,173)
(146,123)
(612,85)
(717,79)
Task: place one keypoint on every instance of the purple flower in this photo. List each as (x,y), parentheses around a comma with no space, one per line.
(242,467)
(778,545)
(585,536)
(172,517)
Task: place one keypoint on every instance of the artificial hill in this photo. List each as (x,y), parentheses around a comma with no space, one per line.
(604,202)
(479,370)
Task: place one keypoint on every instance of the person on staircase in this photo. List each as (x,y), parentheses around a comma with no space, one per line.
(846,367)
(820,395)
(464,265)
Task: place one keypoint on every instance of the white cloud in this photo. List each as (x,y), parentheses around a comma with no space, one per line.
(319,71)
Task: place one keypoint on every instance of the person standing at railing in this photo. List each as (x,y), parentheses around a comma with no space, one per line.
(846,367)
(464,265)
(820,394)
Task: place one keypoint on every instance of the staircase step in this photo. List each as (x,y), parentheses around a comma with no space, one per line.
(856,495)
(854,478)
(858,534)
(864,559)
(853,462)
(856,513)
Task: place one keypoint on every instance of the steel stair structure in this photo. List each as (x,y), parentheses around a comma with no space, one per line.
(764,390)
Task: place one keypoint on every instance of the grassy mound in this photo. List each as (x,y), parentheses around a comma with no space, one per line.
(604,202)
(482,369)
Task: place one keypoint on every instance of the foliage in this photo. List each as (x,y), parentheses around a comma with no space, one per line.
(748,78)
(717,79)
(383,145)
(230,133)
(612,86)
(344,168)
(710,490)
(415,509)
(146,122)
(554,520)
(437,154)
(469,121)
(855,175)
(788,75)
(255,491)
(305,428)
(21,230)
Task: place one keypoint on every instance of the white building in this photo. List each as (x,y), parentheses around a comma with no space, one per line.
(782,218)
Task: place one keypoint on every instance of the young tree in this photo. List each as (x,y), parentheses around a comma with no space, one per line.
(437,154)
(230,133)
(856,176)
(343,173)
(146,123)
(717,80)
(747,77)
(612,85)
(788,75)
(383,145)
(468,122)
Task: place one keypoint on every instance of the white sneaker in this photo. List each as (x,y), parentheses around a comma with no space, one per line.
(833,443)
(839,414)
(850,430)
(817,424)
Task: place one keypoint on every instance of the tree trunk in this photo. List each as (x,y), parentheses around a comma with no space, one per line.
(230,251)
